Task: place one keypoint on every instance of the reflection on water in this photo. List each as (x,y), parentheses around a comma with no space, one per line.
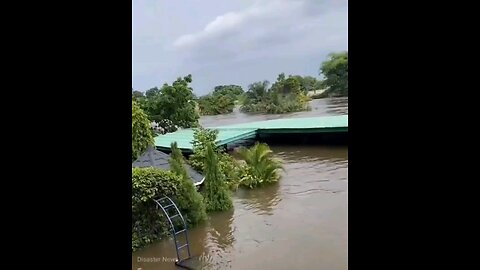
(262,202)
(218,238)
(298,223)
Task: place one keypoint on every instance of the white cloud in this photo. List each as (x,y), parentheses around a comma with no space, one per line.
(272,11)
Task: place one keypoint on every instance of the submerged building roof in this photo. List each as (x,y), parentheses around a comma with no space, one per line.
(154,158)
(234,133)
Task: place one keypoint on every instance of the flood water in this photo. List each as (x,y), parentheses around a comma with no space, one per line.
(298,223)
(319,107)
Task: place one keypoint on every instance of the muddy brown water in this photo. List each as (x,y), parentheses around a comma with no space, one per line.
(298,223)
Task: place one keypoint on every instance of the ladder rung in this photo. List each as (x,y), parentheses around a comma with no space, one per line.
(179,232)
(168,206)
(162,199)
(174,216)
(182,246)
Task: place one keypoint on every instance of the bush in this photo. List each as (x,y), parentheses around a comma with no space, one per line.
(148,223)
(261,167)
(230,169)
(142,134)
(201,138)
(284,96)
(217,197)
(192,202)
(216,104)
(258,166)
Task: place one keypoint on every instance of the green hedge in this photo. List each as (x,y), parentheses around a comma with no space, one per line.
(148,223)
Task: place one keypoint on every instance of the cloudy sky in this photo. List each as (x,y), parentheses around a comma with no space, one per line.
(233,41)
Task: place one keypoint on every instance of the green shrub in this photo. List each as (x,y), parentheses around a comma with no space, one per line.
(142,134)
(284,96)
(216,104)
(216,194)
(231,170)
(261,167)
(258,168)
(194,202)
(148,223)
(229,167)
(201,138)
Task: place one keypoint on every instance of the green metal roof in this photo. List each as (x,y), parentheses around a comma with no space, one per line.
(232,133)
(297,123)
(184,137)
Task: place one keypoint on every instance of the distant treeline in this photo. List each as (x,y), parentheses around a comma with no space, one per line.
(178,104)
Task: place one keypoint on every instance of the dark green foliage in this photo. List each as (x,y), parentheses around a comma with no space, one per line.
(216,194)
(229,167)
(148,223)
(193,202)
(221,100)
(201,138)
(142,134)
(231,170)
(173,102)
(176,162)
(216,104)
(233,91)
(257,92)
(335,71)
(137,95)
(284,96)
(259,166)
(307,83)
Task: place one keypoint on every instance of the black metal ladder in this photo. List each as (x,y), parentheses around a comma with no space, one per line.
(166,203)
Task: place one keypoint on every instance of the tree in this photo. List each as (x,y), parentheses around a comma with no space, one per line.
(195,200)
(216,104)
(291,86)
(177,103)
(318,85)
(138,97)
(335,71)
(137,94)
(142,135)
(216,194)
(286,86)
(201,138)
(152,92)
(257,91)
(307,83)
(233,91)
(177,163)
(173,102)
(284,96)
